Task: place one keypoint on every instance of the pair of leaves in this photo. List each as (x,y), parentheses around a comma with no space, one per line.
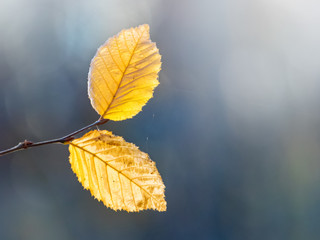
(122,77)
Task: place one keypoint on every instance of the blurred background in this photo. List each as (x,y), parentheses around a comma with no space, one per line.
(234,126)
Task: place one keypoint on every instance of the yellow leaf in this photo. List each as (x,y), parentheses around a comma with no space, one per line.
(117,172)
(124,73)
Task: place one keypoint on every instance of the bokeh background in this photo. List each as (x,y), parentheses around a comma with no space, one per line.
(234,126)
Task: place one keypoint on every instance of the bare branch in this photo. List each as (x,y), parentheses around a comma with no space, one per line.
(28,144)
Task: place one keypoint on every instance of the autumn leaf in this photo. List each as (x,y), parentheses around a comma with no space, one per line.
(124,73)
(122,77)
(117,172)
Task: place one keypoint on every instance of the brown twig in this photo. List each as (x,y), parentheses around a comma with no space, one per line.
(28,144)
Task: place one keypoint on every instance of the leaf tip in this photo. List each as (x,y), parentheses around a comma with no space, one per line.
(144,27)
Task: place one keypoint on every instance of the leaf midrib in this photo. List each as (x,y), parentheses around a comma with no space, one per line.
(83,149)
(124,72)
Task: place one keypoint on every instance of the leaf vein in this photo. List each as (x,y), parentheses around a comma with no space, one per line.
(123,74)
(108,165)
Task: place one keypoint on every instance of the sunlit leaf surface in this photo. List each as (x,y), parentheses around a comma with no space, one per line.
(117,172)
(124,73)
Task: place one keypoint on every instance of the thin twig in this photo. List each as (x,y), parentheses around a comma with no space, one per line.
(28,144)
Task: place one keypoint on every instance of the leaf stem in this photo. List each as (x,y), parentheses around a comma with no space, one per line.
(28,144)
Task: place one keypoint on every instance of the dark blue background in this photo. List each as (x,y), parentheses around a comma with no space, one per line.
(234,126)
